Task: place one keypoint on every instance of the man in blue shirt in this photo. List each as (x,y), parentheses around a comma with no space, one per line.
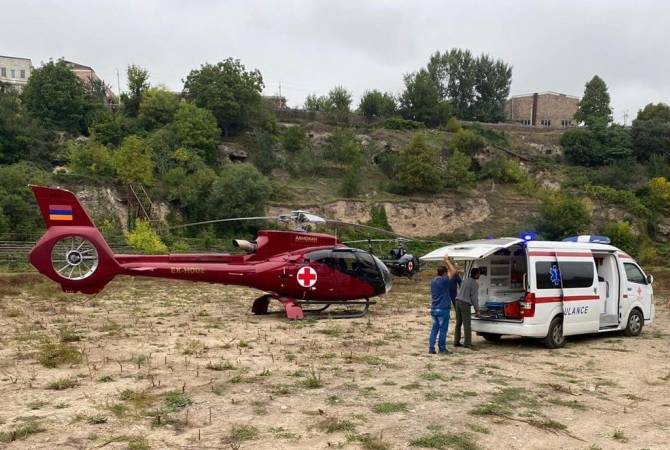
(440,306)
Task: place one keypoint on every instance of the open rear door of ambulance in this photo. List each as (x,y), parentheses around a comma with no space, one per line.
(579,282)
(471,250)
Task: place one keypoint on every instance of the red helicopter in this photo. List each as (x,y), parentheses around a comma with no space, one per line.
(297,268)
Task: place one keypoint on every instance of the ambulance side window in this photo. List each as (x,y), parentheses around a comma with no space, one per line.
(576,274)
(547,275)
(634,274)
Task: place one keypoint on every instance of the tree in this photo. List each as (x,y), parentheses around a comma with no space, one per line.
(597,146)
(138,84)
(561,216)
(338,106)
(418,168)
(239,191)
(658,198)
(17,203)
(57,98)
(651,131)
(342,147)
(186,187)
(196,129)
(132,162)
(157,107)
(468,142)
(421,100)
(112,128)
(376,104)
(265,157)
(316,104)
(475,87)
(458,175)
(594,107)
(295,139)
(379,218)
(622,236)
(21,136)
(228,90)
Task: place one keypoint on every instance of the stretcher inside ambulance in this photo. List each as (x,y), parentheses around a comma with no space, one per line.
(550,289)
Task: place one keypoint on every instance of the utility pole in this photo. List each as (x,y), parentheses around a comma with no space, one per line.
(625,118)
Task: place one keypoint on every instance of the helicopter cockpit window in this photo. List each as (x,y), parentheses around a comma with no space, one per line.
(367,266)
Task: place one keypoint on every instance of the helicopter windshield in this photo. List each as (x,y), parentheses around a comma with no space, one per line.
(356,263)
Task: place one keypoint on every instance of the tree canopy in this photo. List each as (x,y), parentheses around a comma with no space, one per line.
(228,90)
(377,104)
(651,131)
(418,167)
(594,107)
(421,100)
(196,129)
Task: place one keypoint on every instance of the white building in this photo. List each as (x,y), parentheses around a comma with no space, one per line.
(15,71)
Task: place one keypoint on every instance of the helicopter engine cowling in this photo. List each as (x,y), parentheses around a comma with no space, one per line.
(245,245)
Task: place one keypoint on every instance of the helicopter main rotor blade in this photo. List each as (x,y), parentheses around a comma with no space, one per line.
(367,227)
(233,219)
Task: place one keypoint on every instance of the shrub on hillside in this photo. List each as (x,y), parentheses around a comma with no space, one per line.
(295,139)
(627,199)
(90,158)
(467,141)
(418,168)
(157,107)
(458,174)
(377,104)
(113,128)
(342,147)
(387,162)
(145,239)
(453,125)
(503,170)
(196,129)
(561,216)
(17,203)
(623,236)
(596,147)
(398,123)
(659,195)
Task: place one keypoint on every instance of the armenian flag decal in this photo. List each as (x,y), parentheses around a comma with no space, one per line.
(60,212)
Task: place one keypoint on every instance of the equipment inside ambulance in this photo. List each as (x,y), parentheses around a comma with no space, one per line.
(551,289)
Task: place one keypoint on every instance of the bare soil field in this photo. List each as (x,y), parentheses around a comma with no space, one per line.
(163,364)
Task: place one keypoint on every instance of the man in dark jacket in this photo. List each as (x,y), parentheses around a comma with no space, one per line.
(467,297)
(441,306)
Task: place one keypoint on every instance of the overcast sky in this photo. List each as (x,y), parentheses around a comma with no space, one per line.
(310,46)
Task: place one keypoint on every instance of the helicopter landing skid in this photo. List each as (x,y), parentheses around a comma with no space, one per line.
(314,313)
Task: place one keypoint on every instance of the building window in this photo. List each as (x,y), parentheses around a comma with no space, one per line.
(525,122)
(566,123)
(23,73)
(545,122)
(3,71)
(13,73)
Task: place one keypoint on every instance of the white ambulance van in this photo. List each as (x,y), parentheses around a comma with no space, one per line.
(550,290)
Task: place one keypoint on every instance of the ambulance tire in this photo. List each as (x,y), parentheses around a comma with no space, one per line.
(634,324)
(491,337)
(555,338)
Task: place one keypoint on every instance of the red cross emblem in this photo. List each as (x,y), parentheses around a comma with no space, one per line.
(639,291)
(307,277)
(410,266)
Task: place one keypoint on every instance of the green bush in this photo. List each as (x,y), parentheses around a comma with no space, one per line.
(419,168)
(376,104)
(265,157)
(596,147)
(113,128)
(467,141)
(627,199)
(157,107)
(458,174)
(132,162)
(503,170)
(659,195)
(387,162)
(343,147)
(145,239)
(295,139)
(196,129)
(623,236)
(453,125)
(562,215)
(18,210)
(91,159)
(398,123)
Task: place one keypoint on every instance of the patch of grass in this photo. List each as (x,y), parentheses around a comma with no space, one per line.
(456,441)
(504,401)
(176,400)
(572,404)
(68,334)
(313,381)
(192,347)
(54,354)
(411,386)
(334,425)
(97,419)
(432,376)
(37,404)
(21,432)
(547,425)
(138,443)
(62,383)
(389,407)
(619,435)
(282,433)
(241,433)
(219,366)
(139,399)
(478,428)
(118,409)
(333,331)
(105,379)
(369,441)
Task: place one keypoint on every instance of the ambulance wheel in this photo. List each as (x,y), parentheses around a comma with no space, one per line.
(635,323)
(555,338)
(491,337)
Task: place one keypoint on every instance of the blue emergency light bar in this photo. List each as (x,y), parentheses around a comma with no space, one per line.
(528,235)
(588,238)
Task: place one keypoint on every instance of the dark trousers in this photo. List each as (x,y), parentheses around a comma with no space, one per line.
(463,318)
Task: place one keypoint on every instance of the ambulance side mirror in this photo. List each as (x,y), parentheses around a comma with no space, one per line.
(650,278)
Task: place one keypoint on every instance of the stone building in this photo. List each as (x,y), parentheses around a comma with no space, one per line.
(544,109)
(87,76)
(15,71)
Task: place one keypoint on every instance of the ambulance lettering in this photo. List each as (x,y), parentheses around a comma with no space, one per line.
(575,310)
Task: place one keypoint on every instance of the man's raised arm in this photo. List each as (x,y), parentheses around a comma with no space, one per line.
(451,269)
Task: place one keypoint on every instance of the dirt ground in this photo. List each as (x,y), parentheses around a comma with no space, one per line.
(162,364)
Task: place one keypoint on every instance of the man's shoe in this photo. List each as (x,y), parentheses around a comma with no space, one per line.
(458,344)
(472,348)
(432,352)
(445,352)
